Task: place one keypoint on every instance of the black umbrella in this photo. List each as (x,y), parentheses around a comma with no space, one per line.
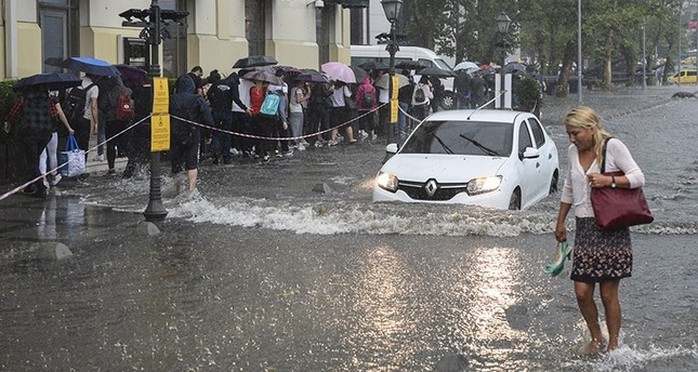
(359,73)
(314,77)
(263,76)
(514,68)
(373,65)
(410,65)
(132,73)
(90,65)
(253,61)
(435,71)
(52,81)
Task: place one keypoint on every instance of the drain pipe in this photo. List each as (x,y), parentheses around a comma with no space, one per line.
(9,15)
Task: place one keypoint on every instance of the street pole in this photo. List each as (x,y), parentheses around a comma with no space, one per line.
(392,49)
(155,209)
(579,52)
(644,58)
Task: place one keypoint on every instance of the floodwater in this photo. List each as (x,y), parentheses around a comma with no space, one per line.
(260,273)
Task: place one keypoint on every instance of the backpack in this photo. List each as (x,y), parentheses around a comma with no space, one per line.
(124,110)
(74,105)
(270,106)
(219,95)
(419,96)
(367,100)
(180,131)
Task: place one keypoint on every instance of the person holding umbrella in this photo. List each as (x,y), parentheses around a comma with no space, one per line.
(37,110)
(90,115)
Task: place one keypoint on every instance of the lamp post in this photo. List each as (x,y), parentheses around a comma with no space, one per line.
(392,10)
(501,83)
(503,23)
(644,57)
(155,210)
(151,20)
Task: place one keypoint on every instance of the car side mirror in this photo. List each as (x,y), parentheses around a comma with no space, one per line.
(391,148)
(530,153)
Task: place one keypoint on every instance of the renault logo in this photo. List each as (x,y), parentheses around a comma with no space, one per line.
(431,187)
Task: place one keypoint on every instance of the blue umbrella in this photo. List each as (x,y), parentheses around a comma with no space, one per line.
(91,65)
(51,80)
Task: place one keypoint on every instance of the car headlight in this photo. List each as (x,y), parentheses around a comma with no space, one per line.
(483,185)
(386,181)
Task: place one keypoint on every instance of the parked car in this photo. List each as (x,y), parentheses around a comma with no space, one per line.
(491,158)
(687,77)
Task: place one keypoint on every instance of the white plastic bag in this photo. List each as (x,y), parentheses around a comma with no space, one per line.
(72,160)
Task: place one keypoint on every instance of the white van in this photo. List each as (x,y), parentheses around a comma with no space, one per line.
(377,53)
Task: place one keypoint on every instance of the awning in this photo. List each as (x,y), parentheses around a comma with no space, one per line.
(349,3)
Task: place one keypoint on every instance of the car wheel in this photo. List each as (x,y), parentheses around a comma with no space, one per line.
(553,183)
(515,202)
(448,101)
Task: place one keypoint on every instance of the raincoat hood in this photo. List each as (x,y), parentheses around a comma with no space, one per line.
(185,84)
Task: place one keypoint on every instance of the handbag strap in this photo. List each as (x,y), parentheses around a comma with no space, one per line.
(71,143)
(603,162)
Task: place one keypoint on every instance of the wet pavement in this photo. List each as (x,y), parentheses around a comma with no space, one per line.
(261,273)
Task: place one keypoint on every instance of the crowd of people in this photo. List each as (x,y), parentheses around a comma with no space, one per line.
(232,115)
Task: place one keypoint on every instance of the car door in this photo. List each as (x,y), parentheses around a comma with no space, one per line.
(530,167)
(548,155)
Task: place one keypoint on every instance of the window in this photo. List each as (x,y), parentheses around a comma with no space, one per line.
(537,132)
(524,138)
(461,138)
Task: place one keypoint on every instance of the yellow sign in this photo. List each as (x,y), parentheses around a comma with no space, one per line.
(159,132)
(393,110)
(396,87)
(161,96)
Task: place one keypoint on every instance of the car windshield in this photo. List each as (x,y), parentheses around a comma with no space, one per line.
(442,64)
(461,138)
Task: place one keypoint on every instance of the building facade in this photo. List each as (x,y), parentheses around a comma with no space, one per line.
(300,33)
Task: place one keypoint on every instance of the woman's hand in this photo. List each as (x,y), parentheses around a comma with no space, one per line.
(7,127)
(599,180)
(560,232)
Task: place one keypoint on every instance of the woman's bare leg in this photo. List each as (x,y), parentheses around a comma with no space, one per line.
(587,306)
(611,304)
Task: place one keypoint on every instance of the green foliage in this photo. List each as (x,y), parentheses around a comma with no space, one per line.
(543,29)
(528,91)
(7,96)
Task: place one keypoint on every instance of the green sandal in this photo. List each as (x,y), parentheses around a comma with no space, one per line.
(563,252)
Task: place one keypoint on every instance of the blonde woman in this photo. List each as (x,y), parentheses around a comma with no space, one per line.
(600,256)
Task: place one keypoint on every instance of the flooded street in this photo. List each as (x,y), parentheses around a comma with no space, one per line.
(261,273)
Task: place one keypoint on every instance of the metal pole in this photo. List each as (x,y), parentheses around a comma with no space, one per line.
(579,52)
(644,58)
(679,59)
(695,31)
(155,210)
(392,49)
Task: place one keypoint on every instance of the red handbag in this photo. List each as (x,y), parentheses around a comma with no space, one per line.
(615,208)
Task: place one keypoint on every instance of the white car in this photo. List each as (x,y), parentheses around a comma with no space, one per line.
(491,158)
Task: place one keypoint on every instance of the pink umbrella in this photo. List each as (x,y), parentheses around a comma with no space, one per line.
(339,71)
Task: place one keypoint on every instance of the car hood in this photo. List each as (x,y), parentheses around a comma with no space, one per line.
(443,168)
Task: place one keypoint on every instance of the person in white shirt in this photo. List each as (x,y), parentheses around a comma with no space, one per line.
(421,98)
(600,256)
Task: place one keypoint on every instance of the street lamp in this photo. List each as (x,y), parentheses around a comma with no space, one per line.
(152,21)
(503,23)
(392,10)
(502,91)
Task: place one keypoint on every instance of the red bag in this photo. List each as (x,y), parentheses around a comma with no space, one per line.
(615,208)
(124,107)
